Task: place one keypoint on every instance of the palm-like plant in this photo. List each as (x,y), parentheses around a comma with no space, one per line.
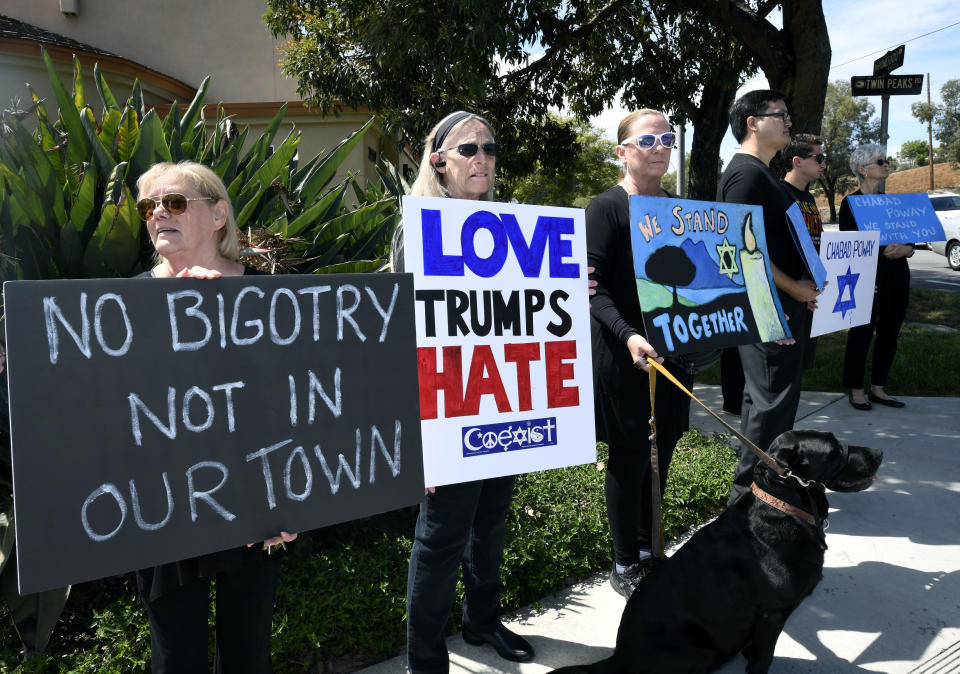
(67,211)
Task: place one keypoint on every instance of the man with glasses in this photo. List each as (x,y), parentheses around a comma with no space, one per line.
(771,372)
(805,163)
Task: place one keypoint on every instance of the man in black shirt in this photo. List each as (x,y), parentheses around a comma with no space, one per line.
(760,121)
(805,162)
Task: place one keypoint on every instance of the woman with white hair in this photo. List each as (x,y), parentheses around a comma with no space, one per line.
(459,525)
(869,163)
(188,216)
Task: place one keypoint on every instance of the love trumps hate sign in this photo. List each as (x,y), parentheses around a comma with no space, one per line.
(503,337)
(703,275)
(159,419)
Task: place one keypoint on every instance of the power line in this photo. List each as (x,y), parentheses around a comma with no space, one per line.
(895,45)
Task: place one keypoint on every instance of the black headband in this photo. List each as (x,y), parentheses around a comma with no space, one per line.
(451,121)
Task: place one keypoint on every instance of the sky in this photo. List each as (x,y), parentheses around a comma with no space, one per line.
(860,33)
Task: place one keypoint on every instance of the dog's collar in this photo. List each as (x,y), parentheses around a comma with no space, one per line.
(782,505)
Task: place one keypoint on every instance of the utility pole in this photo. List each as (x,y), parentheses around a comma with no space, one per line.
(930,135)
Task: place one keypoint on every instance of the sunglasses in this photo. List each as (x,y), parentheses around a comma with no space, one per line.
(819,158)
(783,115)
(882,162)
(175,204)
(470,149)
(646,141)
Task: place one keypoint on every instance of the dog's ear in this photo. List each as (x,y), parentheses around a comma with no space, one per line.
(785,448)
(813,455)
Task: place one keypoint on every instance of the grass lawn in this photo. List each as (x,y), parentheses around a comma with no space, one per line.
(927,361)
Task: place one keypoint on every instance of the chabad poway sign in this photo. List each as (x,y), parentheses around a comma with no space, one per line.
(503,337)
(703,274)
(900,218)
(850,259)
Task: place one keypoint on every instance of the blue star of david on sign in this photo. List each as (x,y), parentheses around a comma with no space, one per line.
(849,281)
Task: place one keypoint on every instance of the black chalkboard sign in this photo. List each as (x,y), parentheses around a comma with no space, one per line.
(158,419)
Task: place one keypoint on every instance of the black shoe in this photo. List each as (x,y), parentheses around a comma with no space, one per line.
(859,406)
(625,583)
(509,646)
(889,402)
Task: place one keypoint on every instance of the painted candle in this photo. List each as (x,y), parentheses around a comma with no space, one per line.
(765,313)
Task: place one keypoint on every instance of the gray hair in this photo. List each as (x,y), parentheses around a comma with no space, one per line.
(207,184)
(865,155)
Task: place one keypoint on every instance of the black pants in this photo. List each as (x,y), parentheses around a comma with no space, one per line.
(460,524)
(628,485)
(178,623)
(731,380)
(889,309)
(771,395)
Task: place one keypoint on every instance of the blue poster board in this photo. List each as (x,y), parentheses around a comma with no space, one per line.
(703,275)
(900,218)
(801,237)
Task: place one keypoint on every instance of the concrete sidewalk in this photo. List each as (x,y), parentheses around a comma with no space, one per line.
(889,600)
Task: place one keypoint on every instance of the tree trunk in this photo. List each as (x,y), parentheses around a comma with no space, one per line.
(830,192)
(795,59)
(710,122)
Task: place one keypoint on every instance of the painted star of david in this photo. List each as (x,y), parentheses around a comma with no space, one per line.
(728,259)
(847,280)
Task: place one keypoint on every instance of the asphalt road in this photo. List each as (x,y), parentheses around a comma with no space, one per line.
(930,271)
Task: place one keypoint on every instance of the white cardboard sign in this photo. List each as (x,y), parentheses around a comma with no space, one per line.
(503,337)
(851,262)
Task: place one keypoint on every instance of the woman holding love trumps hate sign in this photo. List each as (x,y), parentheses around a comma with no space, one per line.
(459,524)
(869,163)
(190,221)
(621,350)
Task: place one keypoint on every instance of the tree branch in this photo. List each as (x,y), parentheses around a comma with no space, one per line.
(554,53)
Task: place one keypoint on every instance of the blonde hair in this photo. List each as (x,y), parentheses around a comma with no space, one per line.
(206,183)
(623,129)
(429,182)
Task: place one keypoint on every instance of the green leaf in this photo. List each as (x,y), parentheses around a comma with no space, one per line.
(103,160)
(352,267)
(196,107)
(78,97)
(149,149)
(114,248)
(312,185)
(312,214)
(85,204)
(106,96)
(108,131)
(128,133)
(78,145)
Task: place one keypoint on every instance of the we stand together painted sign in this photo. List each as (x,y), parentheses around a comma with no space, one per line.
(159,419)
(703,275)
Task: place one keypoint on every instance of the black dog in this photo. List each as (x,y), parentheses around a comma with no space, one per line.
(733,585)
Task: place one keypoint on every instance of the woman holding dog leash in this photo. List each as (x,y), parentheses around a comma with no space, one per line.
(620,350)
(460,524)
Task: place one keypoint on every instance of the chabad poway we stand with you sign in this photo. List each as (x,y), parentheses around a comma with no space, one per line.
(503,337)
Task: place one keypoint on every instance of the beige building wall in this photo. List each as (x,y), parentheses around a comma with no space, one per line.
(171,45)
(185,39)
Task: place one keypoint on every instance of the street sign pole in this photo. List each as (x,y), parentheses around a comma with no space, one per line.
(884,118)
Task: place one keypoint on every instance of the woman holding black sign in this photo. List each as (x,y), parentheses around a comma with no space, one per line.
(459,524)
(869,163)
(620,352)
(190,221)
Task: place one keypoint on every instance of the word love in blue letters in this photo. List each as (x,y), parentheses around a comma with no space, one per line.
(548,238)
